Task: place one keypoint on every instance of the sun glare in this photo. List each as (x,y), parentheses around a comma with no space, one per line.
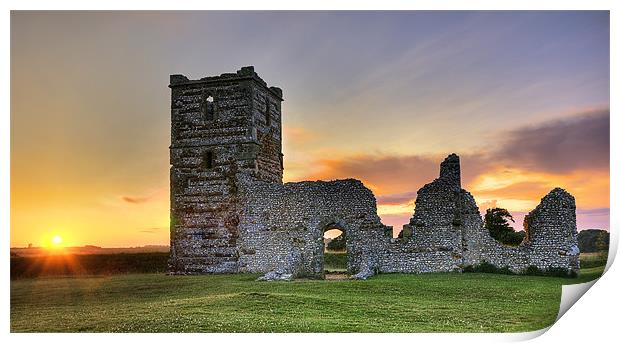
(56,241)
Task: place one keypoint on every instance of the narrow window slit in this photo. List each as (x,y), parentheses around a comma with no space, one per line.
(209,157)
(209,108)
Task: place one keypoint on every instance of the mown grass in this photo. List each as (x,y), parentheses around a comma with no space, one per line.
(473,302)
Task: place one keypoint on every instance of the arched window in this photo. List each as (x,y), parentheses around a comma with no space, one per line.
(209,108)
(209,159)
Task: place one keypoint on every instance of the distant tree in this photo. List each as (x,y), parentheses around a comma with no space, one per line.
(338,244)
(602,243)
(587,240)
(496,221)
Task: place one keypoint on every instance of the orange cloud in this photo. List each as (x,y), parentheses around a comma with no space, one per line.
(382,174)
(572,154)
(483,206)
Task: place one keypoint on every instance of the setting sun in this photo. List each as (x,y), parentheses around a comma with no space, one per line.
(56,241)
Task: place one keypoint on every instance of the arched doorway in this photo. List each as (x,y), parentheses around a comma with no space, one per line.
(335,257)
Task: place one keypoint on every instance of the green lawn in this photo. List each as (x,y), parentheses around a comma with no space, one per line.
(470,302)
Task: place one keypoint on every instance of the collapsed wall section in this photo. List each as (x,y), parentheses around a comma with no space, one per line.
(282,225)
(551,232)
(433,239)
(447,233)
(550,242)
(230,212)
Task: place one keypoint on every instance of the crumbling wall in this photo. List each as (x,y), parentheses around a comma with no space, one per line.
(551,239)
(551,232)
(282,225)
(230,212)
(433,240)
(479,246)
(446,232)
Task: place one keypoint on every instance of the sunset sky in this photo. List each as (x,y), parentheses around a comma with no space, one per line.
(522,97)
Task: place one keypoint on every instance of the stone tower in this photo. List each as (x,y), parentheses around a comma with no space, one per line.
(221,126)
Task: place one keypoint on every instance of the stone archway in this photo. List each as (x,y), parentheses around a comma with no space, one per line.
(334,263)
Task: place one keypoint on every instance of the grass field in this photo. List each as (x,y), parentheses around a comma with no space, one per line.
(471,302)
(592,259)
(92,264)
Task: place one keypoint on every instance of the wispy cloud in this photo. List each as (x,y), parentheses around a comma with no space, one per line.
(395,199)
(383,174)
(135,200)
(151,230)
(152,195)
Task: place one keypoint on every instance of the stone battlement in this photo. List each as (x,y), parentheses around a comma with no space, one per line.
(242,74)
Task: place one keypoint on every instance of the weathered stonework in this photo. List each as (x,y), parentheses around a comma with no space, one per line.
(231,213)
(446,232)
(219,130)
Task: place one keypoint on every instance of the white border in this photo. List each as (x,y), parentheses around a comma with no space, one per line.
(591,318)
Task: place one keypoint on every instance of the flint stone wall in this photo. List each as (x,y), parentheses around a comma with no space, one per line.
(282,225)
(446,232)
(224,117)
(230,212)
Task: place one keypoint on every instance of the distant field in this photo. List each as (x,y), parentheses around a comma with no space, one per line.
(95,264)
(335,262)
(123,263)
(471,302)
(156,262)
(592,259)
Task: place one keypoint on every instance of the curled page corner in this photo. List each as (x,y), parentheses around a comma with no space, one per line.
(572,293)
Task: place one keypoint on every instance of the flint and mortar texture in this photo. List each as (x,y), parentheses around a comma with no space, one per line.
(221,118)
(446,232)
(282,226)
(231,213)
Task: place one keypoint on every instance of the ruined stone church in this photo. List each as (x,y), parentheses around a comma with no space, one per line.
(231,213)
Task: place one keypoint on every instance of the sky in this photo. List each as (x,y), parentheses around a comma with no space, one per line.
(522,97)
